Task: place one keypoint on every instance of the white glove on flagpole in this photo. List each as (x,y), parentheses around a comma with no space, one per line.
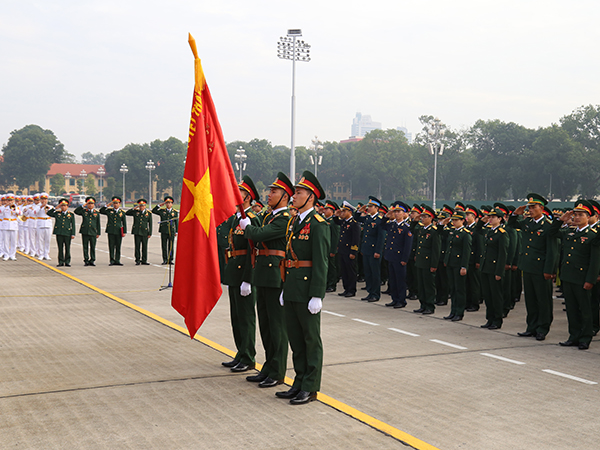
(238,214)
(245,289)
(244,222)
(314,305)
(281,298)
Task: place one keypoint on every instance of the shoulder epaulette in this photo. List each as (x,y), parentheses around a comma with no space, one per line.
(319,218)
(286,214)
(594,230)
(502,230)
(251,215)
(467,230)
(433,227)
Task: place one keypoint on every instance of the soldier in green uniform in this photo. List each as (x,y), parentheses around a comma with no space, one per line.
(116,228)
(304,287)
(441,277)
(578,271)
(411,270)
(426,260)
(473,272)
(457,263)
(332,271)
(168,227)
(141,230)
(493,261)
(238,277)
(64,229)
(510,257)
(538,262)
(594,224)
(89,229)
(269,239)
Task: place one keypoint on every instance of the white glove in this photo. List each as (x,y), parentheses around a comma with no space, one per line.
(245,289)
(244,222)
(314,305)
(281,298)
(238,214)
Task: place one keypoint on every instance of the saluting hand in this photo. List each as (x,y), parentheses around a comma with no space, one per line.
(520,210)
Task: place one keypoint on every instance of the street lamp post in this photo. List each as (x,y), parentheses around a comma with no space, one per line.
(124,170)
(289,48)
(150,167)
(83,174)
(101,172)
(67,177)
(240,158)
(317,147)
(436,133)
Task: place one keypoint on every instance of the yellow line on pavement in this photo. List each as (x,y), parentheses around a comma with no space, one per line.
(323,398)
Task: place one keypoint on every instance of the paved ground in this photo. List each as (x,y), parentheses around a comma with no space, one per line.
(79,370)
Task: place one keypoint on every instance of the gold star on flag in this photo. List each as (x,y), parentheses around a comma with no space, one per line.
(203,201)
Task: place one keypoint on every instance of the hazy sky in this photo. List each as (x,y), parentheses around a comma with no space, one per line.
(102,74)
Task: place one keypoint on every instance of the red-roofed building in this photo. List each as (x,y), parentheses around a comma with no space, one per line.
(75,171)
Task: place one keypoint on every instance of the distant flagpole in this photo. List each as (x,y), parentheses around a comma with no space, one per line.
(208,197)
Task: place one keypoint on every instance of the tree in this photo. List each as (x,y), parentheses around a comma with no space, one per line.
(112,188)
(79,185)
(57,184)
(90,158)
(29,153)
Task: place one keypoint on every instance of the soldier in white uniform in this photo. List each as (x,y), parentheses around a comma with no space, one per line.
(26,211)
(33,240)
(44,228)
(20,201)
(3,223)
(11,212)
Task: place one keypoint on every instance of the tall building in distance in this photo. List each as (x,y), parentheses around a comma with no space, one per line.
(406,133)
(361,125)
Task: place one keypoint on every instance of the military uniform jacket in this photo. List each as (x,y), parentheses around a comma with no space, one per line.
(581,253)
(269,233)
(334,228)
(476,242)
(373,235)
(239,267)
(415,226)
(116,220)
(349,236)
(428,248)
(64,223)
(307,241)
(539,251)
(142,222)
(512,244)
(459,248)
(398,244)
(444,236)
(90,222)
(173,225)
(495,251)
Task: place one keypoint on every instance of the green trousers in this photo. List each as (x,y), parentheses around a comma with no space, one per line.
(304,334)
(579,312)
(473,287)
(141,248)
(166,243)
(458,290)
(426,288)
(114,248)
(332,272)
(89,248)
(538,301)
(273,332)
(64,249)
(243,324)
(494,300)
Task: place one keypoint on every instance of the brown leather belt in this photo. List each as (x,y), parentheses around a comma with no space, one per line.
(291,264)
(235,253)
(270,253)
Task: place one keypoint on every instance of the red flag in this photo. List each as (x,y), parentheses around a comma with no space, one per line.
(208,197)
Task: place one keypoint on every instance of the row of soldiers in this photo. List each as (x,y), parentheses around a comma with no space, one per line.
(477,255)
(26,225)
